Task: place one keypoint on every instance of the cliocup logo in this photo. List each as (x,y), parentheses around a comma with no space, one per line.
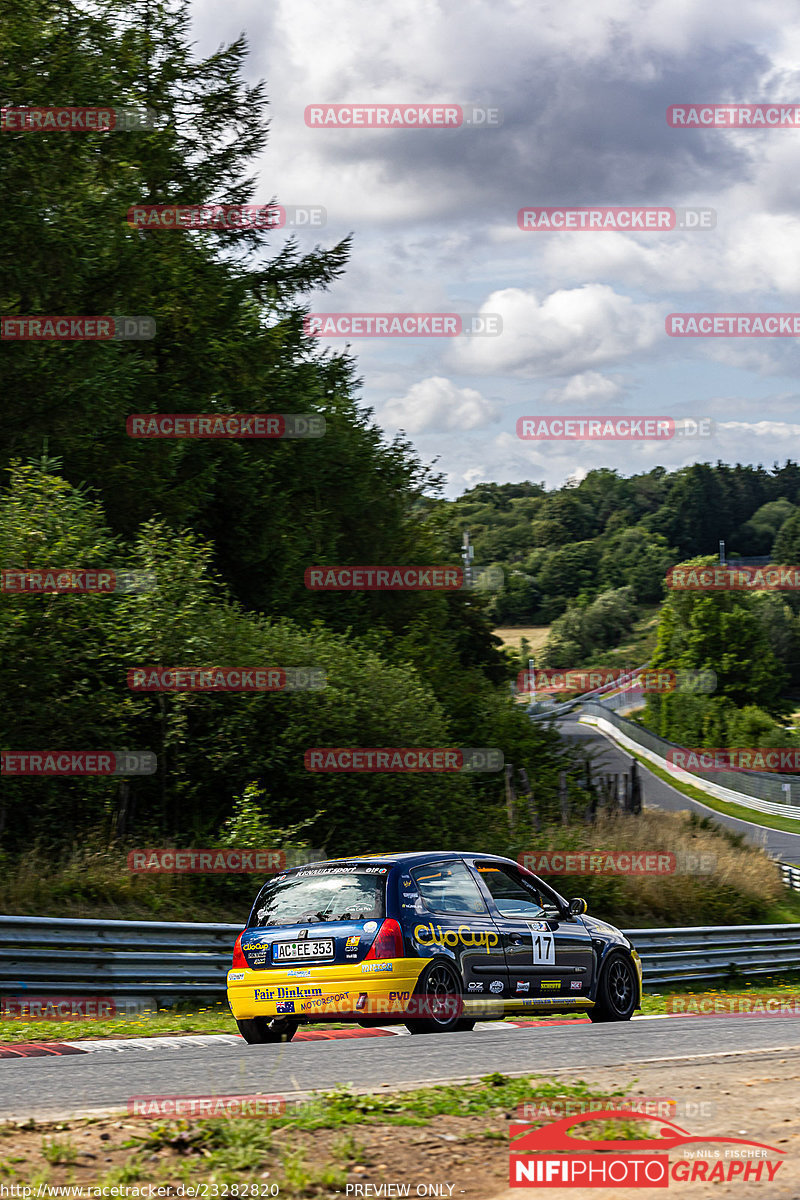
(434,935)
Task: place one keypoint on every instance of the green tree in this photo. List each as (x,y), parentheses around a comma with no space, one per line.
(786,549)
(757,534)
(70,692)
(723,632)
(634,557)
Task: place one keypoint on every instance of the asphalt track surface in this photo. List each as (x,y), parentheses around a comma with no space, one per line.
(658,794)
(107,1079)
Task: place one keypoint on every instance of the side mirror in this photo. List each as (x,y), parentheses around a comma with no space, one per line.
(577,906)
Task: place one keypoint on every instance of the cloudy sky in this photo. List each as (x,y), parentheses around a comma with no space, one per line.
(583,90)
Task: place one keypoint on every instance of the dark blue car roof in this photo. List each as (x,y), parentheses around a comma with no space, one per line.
(409,857)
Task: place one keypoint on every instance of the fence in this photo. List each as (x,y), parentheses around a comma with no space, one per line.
(48,955)
(751,789)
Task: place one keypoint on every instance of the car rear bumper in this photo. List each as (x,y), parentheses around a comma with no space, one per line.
(355,990)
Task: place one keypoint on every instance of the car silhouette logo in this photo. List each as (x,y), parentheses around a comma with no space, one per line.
(555,1136)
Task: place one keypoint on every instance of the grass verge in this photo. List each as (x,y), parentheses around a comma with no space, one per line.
(457,1133)
(717,878)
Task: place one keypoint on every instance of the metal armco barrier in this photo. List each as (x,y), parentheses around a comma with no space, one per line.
(751,789)
(50,955)
(713,951)
(537,710)
(790,875)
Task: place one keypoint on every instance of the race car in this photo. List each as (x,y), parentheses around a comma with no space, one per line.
(435,941)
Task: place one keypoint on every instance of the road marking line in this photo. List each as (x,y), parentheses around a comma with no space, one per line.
(16,1050)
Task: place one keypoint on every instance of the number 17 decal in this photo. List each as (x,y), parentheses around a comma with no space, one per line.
(544,949)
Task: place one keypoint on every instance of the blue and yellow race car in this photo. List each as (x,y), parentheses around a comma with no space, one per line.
(435,941)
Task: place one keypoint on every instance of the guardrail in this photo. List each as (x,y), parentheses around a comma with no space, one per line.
(162,959)
(790,874)
(50,955)
(751,789)
(539,709)
(711,952)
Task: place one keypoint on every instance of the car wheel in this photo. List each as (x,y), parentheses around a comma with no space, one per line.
(258,1030)
(616,991)
(438,995)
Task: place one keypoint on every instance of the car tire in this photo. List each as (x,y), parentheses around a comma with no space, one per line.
(257,1031)
(617,990)
(439,980)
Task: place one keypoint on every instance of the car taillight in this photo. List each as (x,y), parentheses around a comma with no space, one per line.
(239,959)
(388,941)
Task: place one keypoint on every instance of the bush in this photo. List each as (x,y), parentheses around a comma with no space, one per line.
(741,889)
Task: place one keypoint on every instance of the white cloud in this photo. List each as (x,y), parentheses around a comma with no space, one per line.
(437,404)
(564,333)
(587,387)
(748,253)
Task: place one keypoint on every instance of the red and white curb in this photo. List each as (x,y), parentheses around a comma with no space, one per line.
(209,1040)
(16,1050)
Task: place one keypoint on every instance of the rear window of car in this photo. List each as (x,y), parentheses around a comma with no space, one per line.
(336,893)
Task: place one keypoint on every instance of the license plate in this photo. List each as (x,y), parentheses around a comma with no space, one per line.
(294,951)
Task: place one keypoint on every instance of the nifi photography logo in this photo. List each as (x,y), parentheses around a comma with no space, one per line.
(551,1156)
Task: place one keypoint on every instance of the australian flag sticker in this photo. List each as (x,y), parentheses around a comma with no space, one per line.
(284,1006)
